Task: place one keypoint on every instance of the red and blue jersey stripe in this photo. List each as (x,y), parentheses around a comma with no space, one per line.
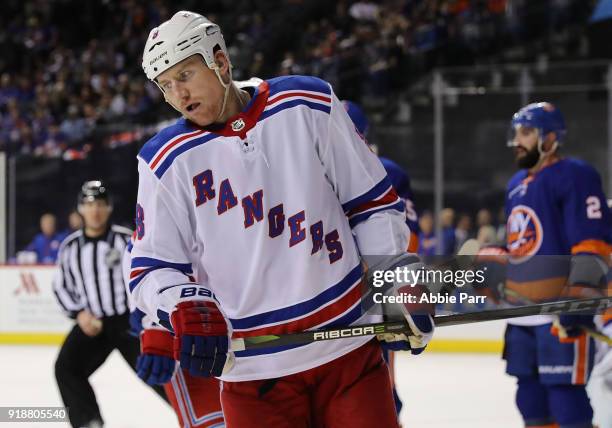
(270,98)
(159,155)
(292,91)
(142,266)
(381,197)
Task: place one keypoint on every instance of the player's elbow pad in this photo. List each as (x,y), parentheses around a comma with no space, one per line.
(588,270)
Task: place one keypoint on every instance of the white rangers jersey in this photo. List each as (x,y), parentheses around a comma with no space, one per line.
(271,212)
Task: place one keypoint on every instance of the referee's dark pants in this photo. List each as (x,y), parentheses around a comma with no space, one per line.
(81,355)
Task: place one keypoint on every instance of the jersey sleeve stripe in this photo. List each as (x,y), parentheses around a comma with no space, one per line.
(138,276)
(356,219)
(593,246)
(389,198)
(298,94)
(376,192)
(151,262)
(298,83)
(142,266)
(294,103)
(172,143)
(177,150)
(300,310)
(137,272)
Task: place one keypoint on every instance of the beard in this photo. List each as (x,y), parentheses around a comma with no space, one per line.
(529,159)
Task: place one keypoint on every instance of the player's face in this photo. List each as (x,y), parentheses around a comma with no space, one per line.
(95,213)
(193,89)
(525,141)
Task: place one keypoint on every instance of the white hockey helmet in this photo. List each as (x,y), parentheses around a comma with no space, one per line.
(183,35)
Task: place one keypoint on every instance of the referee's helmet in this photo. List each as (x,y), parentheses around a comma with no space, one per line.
(93,190)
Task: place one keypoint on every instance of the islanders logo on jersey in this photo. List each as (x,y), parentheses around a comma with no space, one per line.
(525,234)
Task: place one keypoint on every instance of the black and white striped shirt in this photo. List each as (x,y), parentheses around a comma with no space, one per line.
(90,275)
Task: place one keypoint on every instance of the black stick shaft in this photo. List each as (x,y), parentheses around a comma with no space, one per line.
(596,305)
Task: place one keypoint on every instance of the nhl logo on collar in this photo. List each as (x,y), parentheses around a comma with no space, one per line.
(238,125)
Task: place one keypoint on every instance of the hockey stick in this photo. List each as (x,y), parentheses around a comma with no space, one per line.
(474,247)
(398,327)
(594,333)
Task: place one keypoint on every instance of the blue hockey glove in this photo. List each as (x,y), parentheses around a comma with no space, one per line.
(155,364)
(568,328)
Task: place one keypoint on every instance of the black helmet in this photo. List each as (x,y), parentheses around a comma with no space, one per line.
(93,190)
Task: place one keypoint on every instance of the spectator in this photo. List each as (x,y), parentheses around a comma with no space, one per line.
(501,225)
(364,47)
(486,235)
(74,127)
(46,244)
(463,231)
(484,218)
(75,222)
(447,220)
(53,143)
(427,236)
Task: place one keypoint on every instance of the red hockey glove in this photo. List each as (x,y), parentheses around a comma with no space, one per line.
(201,338)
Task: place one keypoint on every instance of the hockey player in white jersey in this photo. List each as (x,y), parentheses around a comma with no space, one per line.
(281,199)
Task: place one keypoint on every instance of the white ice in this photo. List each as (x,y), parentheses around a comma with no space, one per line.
(438,390)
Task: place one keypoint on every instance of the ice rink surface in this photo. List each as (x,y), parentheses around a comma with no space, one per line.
(439,390)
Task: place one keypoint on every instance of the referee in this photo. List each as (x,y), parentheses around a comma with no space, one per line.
(89,287)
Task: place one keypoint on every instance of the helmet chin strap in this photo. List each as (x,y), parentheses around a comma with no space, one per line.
(226,87)
(544,154)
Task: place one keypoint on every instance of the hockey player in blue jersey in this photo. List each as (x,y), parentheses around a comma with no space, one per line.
(554,206)
(398,176)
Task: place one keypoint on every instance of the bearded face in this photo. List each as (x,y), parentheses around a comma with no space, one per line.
(526,158)
(525,143)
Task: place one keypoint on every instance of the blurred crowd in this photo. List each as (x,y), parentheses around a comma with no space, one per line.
(368,49)
(62,79)
(45,245)
(70,71)
(455,231)
(486,229)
